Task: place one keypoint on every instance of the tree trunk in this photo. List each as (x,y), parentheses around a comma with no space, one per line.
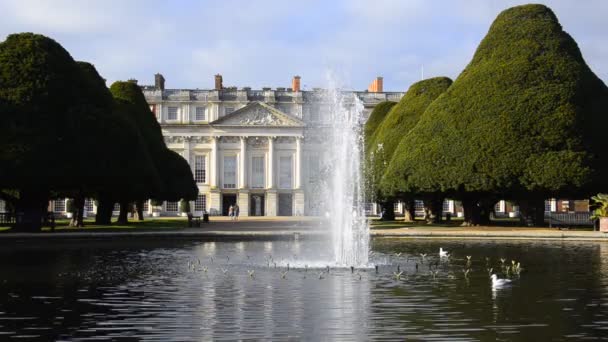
(78,216)
(388,209)
(434,210)
(31,207)
(124,212)
(532,212)
(104,211)
(486,207)
(139,210)
(409,211)
(472,215)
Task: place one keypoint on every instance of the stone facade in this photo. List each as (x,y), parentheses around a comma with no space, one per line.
(259,149)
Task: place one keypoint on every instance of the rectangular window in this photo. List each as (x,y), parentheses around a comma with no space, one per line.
(201,203)
(146,206)
(419,205)
(116,207)
(313,168)
(285,172)
(59,205)
(396,207)
(257,172)
(88,205)
(171,207)
(200,171)
(201,114)
(228,110)
(230,172)
(446,206)
(172,113)
(497,207)
(314,113)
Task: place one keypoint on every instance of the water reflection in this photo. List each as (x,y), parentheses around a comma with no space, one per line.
(160,291)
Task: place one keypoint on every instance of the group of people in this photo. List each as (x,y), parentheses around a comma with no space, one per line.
(233,212)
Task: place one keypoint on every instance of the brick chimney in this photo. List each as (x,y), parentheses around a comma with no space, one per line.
(159,82)
(295,83)
(376,86)
(218,82)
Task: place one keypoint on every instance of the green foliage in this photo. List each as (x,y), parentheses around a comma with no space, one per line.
(375,119)
(525,116)
(398,122)
(39,85)
(600,201)
(175,174)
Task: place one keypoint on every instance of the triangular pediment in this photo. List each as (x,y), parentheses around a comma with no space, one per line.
(258,114)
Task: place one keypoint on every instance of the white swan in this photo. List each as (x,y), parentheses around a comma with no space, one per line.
(499,282)
(442,253)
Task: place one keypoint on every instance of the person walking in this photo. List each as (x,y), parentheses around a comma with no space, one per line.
(236,211)
(231,212)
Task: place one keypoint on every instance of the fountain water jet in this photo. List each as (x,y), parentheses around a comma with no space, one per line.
(347,222)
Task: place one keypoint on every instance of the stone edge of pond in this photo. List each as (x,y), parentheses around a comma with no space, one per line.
(208,235)
(525,235)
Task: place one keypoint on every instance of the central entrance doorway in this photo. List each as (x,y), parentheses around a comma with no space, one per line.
(257,205)
(227,201)
(285,205)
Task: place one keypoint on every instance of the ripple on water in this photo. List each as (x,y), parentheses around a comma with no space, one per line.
(162,293)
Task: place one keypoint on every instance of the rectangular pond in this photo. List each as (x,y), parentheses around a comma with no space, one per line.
(281,290)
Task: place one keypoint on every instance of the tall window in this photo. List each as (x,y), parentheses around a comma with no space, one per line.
(60,205)
(172,113)
(171,207)
(396,207)
(257,172)
(314,112)
(88,205)
(200,170)
(313,168)
(285,171)
(116,207)
(419,205)
(229,172)
(146,206)
(201,203)
(446,206)
(201,114)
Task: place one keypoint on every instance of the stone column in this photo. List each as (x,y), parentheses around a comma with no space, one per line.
(271,193)
(213,167)
(271,162)
(298,170)
(243,164)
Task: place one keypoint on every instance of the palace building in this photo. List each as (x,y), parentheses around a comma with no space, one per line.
(260,149)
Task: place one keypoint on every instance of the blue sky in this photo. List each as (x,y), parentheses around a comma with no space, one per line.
(264,43)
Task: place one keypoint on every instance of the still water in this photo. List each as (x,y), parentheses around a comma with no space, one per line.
(202,290)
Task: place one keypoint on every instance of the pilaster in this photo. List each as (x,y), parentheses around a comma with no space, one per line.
(271,202)
(243,202)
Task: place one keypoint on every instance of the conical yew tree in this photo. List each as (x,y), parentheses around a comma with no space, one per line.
(524,121)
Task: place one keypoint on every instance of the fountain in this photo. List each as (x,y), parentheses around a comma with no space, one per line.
(347,223)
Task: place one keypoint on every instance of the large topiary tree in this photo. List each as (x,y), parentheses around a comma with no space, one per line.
(400,120)
(175,173)
(374,156)
(524,121)
(40,89)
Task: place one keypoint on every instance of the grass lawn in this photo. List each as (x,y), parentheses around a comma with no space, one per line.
(456,223)
(162,223)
